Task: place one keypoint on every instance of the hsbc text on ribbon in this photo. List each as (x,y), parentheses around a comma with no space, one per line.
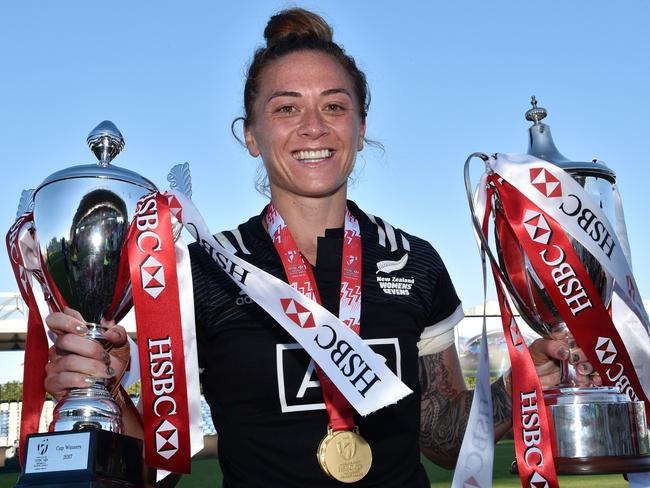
(340,350)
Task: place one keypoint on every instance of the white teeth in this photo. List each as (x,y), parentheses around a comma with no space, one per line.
(312,155)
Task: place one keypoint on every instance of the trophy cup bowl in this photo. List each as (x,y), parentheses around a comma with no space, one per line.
(81,217)
(597,429)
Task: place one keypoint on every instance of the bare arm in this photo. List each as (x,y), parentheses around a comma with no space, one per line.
(445,404)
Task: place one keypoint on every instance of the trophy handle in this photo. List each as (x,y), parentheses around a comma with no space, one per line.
(567,371)
(479,231)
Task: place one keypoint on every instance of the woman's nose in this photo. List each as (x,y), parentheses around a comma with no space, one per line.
(313,124)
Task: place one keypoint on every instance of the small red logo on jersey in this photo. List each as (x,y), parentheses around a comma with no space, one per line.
(545,182)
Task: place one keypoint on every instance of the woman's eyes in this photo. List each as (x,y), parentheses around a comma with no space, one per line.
(292,109)
(285,109)
(334,107)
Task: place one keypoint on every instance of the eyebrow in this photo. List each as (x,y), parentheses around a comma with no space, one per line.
(330,91)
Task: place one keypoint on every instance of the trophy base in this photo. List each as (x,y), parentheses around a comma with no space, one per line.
(602,465)
(597,430)
(82,459)
(597,465)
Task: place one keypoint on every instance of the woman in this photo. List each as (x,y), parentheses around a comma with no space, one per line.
(305,115)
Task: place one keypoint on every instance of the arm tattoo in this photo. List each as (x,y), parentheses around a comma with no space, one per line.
(445,406)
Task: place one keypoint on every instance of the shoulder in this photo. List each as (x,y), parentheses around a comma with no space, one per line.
(386,240)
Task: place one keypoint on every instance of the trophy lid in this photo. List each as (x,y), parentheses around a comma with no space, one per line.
(106,142)
(541,145)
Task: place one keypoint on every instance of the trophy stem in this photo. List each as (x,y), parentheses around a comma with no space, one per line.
(92,407)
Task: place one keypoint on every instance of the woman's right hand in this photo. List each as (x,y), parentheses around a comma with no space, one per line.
(75,361)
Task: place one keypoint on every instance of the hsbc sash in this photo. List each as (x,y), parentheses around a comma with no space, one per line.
(548,201)
(301,277)
(155,289)
(531,426)
(367,383)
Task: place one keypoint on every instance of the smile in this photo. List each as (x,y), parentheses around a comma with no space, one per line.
(312,156)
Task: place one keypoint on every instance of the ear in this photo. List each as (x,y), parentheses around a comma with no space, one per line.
(253,150)
(362,134)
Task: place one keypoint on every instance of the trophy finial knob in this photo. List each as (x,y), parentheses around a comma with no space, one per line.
(106,142)
(535,114)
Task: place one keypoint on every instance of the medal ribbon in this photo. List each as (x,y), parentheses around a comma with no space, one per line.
(154,282)
(571,290)
(36,346)
(371,386)
(301,277)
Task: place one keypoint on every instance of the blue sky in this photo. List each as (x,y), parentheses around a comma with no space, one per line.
(447,79)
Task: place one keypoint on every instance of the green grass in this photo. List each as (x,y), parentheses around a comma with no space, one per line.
(206,473)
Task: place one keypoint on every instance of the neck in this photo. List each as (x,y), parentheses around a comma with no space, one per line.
(307,218)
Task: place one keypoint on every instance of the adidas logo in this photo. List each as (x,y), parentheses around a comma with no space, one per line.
(243,299)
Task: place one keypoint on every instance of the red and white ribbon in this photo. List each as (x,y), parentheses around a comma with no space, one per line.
(531,426)
(20,247)
(363,379)
(619,350)
(165,331)
(301,277)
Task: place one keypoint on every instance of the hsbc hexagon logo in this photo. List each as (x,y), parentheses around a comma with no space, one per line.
(545,182)
(153,276)
(301,315)
(537,226)
(538,481)
(515,335)
(605,350)
(471,483)
(166,439)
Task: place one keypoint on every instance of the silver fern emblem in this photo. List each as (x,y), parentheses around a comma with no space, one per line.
(390,266)
(180,179)
(26,203)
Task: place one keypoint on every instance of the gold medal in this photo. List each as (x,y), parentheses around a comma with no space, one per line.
(344,455)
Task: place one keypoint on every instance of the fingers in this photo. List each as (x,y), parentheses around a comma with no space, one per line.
(73,313)
(547,352)
(544,350)
(79,345)
(62,323)
(82,365)
(116,335)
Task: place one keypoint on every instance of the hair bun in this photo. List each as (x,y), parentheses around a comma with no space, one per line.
(296,21)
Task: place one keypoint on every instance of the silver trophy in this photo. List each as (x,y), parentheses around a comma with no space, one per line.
(81,218)
(597,429)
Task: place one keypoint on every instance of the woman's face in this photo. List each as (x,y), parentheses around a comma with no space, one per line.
(306,125)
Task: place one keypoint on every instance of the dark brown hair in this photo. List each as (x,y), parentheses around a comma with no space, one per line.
(295,30)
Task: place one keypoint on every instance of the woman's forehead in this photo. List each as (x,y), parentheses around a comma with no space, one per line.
(304,71)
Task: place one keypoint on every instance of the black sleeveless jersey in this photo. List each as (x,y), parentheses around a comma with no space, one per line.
(261,386)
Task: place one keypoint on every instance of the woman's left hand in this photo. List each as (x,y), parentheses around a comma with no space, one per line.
(547,354)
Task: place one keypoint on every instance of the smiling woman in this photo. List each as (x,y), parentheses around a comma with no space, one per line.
(307,127)
(281,422)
